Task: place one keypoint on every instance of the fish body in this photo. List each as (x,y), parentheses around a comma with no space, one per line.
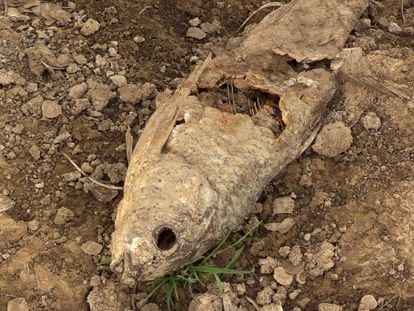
(198,168)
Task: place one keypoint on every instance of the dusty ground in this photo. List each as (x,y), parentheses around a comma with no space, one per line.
(353,214)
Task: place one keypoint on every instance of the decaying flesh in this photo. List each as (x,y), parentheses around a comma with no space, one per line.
(212,146)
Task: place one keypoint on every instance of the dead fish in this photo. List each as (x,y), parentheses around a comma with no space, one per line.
(211,146)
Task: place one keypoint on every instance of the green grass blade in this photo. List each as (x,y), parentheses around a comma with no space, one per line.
(219,284)
(235,257)
(216,270)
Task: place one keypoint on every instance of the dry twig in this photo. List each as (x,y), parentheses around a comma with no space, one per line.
(265,6)
(101,184)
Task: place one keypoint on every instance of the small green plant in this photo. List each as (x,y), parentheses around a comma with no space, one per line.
(200,269)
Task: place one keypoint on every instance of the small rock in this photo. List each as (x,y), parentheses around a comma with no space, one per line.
(283,205)
(371,121)
(206,302)
(322,260)
(272,307)
(139,39)
(95,281)
(268,265)
(100,193)
(91,248)
(150,307)
(63,215)
(78,90)
(281,227)
(284,251)
(196,33)
(333,139)
(72,176)
(134,93)
(394,28)
(5,203)
(33,225)
(282,277)
(100,94)
(295,256)
(264,297)
(118,80)
(329,307)
(194,22)
(209,27)
(368,302)
(51,109)
(34,151)
(90,27)
(17,304)
(18,129)
(80,106)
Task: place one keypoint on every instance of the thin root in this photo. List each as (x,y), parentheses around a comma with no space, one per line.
(90,178)
(253,303)
(265,6)
(144,9)
(51,67)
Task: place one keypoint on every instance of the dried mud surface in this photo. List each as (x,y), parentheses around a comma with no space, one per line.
(347,220)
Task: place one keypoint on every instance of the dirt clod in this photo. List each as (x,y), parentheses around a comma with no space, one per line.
(333,139)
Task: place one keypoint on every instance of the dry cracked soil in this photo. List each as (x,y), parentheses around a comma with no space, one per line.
(338,223)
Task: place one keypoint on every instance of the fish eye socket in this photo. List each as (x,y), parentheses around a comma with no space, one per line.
(166,239)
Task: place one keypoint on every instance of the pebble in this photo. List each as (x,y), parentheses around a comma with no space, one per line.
(206,302)
(272,307)
(34,151)
(134,93)
(371,121)
(51,109)
(329,307)
(90,27)
(283,205)
(267,265)
(5,203)
(17,304)
(91,248)
(63,215)
(333,139)
(394,28)
(18,129)
(33,225)
(78,90)
(295,256)
(95,281)
(284,251)
(368,302)
(194,22)
(282,277)
(264,297)
(139,39)
(196,33)
(119,80)
(281,227)
(150,307)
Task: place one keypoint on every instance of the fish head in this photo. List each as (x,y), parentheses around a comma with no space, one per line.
(162,221)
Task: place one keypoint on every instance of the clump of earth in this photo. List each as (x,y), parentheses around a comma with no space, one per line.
(74,76)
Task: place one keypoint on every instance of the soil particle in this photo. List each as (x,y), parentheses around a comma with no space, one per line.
(368,302)
(150,307)
(5,203)
(91,248)
(100,94)
(393,27)
(119,80)
(333,139)
(106,298)
(90,27)
(322,260)
(295,256)
(283,205)
(264,297)
(196,33)
(17,304)
(63,216)
(51,109)
(271,307)
(268,265)
(371,121)
(78,90)
(282,277)
(329,307)
(207,302)
(135,93)
(281,227)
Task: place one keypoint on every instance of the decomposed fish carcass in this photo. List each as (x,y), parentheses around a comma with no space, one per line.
(211,146)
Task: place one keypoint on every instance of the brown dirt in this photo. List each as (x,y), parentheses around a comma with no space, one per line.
(360,201)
